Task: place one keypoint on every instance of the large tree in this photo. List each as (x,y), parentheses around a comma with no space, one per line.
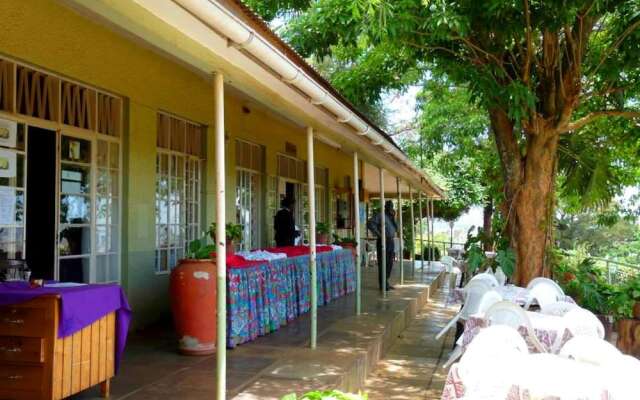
(542,70)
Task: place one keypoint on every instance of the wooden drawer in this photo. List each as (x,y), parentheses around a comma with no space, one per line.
(21,349)
(23,321)
(19,378)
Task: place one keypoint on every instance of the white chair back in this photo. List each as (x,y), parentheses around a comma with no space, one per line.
(488,299)
(448,262)
(501,277)
(544,293)
(489,278)
(581,322)
(494,340)
(510,314)
(473,295)
(535,281)
(559,308)
(591,350)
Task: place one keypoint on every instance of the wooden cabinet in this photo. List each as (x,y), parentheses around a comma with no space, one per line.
(36,364)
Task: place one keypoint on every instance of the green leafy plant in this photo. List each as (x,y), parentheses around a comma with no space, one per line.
(506,260)
(233,232)
(322,228)
(624,298)
(326,395)
(344,240)
(199,249)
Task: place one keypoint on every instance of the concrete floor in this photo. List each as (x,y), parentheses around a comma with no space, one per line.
(349,349)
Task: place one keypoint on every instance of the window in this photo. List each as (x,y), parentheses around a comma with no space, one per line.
(249,168)
(12,188)
(321,181)
(178,188)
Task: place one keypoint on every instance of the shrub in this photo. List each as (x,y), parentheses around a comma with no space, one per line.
(326,395)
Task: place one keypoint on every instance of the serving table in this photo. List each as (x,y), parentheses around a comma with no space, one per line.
(56,341)
(263,296)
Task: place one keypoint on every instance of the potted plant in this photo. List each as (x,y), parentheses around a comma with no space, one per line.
(322,233)
(233,235)
(346,242)
(192,286)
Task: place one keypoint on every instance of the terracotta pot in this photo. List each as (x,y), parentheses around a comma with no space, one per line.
(636,310)
(322,238)
(193,304)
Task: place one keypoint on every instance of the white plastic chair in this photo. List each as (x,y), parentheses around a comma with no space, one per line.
(558,308)
(473,296)
(488,299)
(591,350)
(488,345)
(535,281)
(581,322)
(510,314)
(486,277)
(501,277)
(544,293)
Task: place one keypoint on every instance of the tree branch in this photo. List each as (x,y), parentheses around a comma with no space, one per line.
(616,44)
(526,68)
(595,115)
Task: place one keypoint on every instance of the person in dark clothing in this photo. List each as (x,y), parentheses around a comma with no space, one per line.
(391,230)
(284,224)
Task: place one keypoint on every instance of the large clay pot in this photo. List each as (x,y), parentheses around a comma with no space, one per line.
(193,304)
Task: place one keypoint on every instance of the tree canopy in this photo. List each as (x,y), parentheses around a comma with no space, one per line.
(558,81)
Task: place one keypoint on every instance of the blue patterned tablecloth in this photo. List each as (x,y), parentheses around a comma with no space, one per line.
(262,298)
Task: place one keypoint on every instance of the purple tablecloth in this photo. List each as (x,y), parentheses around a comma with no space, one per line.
(80,306)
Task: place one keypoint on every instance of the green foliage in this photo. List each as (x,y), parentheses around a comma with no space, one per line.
(506,259)
(625,297)
(233,231)
(200,250)
(322,228)
(326,395)
(428,251)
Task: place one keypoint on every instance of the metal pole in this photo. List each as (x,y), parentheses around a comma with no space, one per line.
(413,236)
(430,243)
(311,186)
(356,206)
(383,236)
(221,253)
(400,255)
(433,232)
(421,231)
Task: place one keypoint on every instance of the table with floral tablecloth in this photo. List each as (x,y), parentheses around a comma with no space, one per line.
(262,298)
(550,330)
(537,377)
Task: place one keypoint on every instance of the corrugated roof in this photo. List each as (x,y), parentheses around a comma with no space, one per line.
(242,11)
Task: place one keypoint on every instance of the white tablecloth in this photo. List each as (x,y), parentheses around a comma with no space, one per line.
(539,376)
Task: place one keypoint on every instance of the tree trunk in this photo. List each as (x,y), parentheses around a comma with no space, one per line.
(533,207)
(528,188)
(487,223)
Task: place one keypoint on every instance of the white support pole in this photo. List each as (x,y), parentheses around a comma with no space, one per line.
(413,236)
(383,236)
(311,185)
(401,241)
(421,231)
(221,252)
(433,235)
(356,225)
(429,244)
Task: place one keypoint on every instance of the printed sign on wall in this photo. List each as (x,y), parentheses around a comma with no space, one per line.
(8,130)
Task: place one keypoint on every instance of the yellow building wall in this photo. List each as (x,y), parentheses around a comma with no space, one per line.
(49,35)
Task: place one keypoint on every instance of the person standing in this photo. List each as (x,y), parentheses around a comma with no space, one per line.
(391,230)
(285,224)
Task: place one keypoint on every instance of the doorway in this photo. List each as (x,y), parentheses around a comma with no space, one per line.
(41,202)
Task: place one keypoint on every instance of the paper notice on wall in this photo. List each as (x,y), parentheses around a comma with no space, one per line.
(7,205)
(8,131)
(7,164)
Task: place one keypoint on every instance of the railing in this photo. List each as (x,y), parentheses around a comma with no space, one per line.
(617,271)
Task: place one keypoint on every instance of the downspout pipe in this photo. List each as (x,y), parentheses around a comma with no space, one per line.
(235,30)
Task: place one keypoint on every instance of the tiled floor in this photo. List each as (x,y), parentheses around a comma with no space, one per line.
(282,363)
(412,368)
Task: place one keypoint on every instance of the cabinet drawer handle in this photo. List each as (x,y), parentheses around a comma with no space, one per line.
(14,377)
(17,321)
(11,349)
